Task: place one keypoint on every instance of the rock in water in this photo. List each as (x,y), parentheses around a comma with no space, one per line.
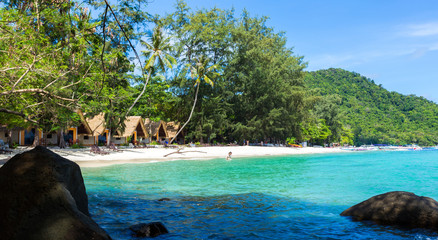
(148,230)
(397,208)
(42,196)
(164,199)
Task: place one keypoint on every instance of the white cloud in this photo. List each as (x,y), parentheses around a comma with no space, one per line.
(419,52)
(422,30)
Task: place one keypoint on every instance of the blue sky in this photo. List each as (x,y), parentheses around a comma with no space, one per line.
(395,43)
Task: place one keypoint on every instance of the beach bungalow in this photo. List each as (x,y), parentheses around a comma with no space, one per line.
(20,136)
(91,131)
(172,128)
(26,136)
(6,132)
(135,131)
(49,138)
(157,130)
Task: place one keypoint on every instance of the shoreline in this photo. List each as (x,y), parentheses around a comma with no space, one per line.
(84,158)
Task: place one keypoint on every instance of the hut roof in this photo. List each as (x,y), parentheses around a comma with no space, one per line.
(172,128)
(153,127)
(96,125)
(131,125)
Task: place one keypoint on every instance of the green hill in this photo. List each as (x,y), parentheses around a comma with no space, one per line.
(376,115)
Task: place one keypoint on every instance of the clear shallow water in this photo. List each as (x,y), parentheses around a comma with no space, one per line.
(293,197)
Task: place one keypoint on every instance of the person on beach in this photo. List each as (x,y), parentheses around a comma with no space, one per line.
(229,156)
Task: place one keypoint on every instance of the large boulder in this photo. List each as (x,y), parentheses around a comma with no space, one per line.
(152,229)
(42,196)
(397,208)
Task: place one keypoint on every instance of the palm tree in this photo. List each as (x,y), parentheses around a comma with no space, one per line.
(200,71)
(157,48)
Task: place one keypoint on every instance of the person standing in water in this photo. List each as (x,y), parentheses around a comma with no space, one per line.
(229,156)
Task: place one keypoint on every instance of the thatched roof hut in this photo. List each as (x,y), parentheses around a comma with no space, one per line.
(157,130)
(172,130)
(134,124)
(94,126)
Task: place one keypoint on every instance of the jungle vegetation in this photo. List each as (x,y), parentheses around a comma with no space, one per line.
(229,76)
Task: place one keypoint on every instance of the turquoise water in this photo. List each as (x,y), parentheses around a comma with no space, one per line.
(287,197)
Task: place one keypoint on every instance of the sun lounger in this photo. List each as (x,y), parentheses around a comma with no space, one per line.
(4,148)
(97,150)
(3,151)
(113,147)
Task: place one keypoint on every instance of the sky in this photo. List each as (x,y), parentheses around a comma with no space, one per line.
(393,42)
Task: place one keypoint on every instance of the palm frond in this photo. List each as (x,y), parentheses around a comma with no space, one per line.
(208,80)
(151,61)
(147,45)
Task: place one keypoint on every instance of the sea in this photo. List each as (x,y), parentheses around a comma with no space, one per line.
(270,197)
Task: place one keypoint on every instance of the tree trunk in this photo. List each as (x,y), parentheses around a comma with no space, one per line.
(190,116)
(141,94)
(36,138)
(9,139)
(108,138)
(61,139)
(201,140)
(38,15)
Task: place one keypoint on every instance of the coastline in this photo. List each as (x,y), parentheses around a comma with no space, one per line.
(84,158)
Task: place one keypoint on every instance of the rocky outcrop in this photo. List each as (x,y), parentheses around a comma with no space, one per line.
(153,229)
(397,208)
(164,199)
(42,196)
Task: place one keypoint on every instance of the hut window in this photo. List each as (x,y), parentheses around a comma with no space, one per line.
(6,135)
(49,135)
(118,138)
(85,137)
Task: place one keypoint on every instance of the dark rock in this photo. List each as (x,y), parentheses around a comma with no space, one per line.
(163,199)
(397,208)
(43,197)
(148,230)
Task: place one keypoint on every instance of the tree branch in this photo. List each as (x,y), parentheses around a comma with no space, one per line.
(129,41)
(18,114)
(12,68)
(33,105)
(37,90)
(24,74)
(62,75)
(86,73)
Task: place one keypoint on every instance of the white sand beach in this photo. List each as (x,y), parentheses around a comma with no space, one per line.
(85,158)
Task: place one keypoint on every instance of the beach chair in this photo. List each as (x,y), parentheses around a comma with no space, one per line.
(95,149)
(4,151)
(113,147)
(4,148)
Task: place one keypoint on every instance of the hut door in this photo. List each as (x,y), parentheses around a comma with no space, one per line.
(29,136)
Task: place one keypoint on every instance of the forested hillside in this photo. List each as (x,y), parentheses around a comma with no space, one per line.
(375,114)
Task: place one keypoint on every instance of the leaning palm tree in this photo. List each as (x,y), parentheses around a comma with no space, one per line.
(157,53)
(200,71)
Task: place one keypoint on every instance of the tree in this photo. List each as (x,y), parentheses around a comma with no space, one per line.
(202,70)
(45,63)
(269,93)
(204,32)
(158,57)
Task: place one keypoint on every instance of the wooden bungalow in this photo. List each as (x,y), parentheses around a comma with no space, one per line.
(26,136)
(21,136)
(14,133)
(93,131)
(134,129)
(157,130)
(172,128)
